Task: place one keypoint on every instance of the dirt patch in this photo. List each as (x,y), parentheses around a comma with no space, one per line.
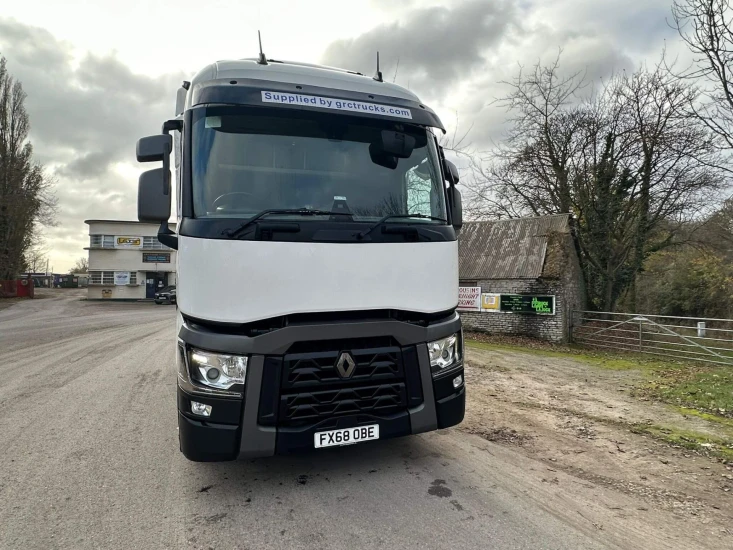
(591,422)
(9,302)
(504,435)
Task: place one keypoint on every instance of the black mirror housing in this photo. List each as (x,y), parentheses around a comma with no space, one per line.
(397,144)
(381,158)
(456,208)
(154,148)
(154,196)
(451,172)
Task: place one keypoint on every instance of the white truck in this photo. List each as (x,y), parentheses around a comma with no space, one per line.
(317,283)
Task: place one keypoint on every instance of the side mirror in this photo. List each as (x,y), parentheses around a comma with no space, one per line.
(154,148)
(154,196)
(456,208)
(451,171)
(397,144)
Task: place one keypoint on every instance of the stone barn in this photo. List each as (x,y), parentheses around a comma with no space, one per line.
(520,277)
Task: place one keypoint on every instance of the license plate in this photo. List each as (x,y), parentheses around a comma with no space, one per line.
(348,436)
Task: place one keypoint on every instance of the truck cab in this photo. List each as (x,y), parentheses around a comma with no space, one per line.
(317,267)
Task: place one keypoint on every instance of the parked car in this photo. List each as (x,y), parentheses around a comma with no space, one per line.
(166,295)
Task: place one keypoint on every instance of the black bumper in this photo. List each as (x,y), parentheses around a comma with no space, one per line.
(260,422)
(219,438)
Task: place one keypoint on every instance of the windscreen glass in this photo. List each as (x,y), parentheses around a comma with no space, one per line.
(247,161)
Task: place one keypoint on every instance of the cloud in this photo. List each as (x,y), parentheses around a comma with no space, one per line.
(435,46)
(86,114)
(457,57)
(93,109)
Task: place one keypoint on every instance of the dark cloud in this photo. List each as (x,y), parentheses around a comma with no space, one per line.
(457,57)
(435,46)
(85,115)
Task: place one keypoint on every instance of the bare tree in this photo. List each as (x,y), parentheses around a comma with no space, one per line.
(81,266)
(530,172)
(36,258)
(706,26)
(26,199)
(627,161)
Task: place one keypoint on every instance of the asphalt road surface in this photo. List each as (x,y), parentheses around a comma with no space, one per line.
(90,459)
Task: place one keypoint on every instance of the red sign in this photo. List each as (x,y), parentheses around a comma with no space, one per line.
(469,298)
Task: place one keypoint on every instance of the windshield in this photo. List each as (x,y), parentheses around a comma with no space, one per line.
(244,162)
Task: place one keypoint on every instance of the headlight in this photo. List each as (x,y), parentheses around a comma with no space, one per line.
(217,370)
(444,354)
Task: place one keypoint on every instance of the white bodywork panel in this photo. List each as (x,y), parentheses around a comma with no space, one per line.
(244,281)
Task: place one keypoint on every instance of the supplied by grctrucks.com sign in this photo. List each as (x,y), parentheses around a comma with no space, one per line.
(469,298)
(335,104)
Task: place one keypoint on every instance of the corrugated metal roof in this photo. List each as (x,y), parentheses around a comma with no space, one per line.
(507,249)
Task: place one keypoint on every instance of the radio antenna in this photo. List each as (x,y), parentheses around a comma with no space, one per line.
(378,76)
(262,60)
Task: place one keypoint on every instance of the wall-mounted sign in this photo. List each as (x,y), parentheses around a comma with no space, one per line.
(469,298)
(527,303)
(123,241)
(160,258)
(490,302)
(122,277)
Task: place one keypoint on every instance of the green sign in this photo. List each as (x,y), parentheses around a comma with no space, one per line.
(527,303)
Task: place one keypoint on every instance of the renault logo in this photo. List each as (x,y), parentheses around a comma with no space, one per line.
(345,365)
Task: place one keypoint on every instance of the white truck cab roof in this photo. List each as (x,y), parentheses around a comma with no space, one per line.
(301,73)
(242,81)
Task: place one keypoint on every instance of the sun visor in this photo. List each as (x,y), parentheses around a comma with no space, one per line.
(266,93)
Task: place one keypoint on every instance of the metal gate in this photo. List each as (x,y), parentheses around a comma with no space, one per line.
(690,338)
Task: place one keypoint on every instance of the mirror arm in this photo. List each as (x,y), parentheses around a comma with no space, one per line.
(173,124)
(167,237)
(168,126)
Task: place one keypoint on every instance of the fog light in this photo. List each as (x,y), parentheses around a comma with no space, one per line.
(200,409)
(458,381)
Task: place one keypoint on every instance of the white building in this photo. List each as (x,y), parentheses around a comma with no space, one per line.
(126,260)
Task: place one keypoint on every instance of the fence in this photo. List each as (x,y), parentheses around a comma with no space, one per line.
(685,338)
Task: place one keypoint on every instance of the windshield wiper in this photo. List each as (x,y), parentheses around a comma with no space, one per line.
(366,232)
(233,233)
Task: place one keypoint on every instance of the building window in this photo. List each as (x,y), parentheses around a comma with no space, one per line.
(152,243)
(101,241)
(108,277)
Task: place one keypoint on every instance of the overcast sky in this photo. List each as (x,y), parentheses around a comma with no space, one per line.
(100,74)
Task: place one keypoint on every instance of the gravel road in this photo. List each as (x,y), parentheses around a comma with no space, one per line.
(90,460)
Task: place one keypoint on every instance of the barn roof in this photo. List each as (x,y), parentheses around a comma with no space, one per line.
(507,249)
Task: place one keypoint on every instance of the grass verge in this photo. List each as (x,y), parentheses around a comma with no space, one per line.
(706,390)
(694,441)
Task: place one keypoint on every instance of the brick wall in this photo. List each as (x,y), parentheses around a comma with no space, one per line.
(569,294)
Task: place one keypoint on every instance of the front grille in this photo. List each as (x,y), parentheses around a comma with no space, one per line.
(304,386)
(306,407)
(319,369)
